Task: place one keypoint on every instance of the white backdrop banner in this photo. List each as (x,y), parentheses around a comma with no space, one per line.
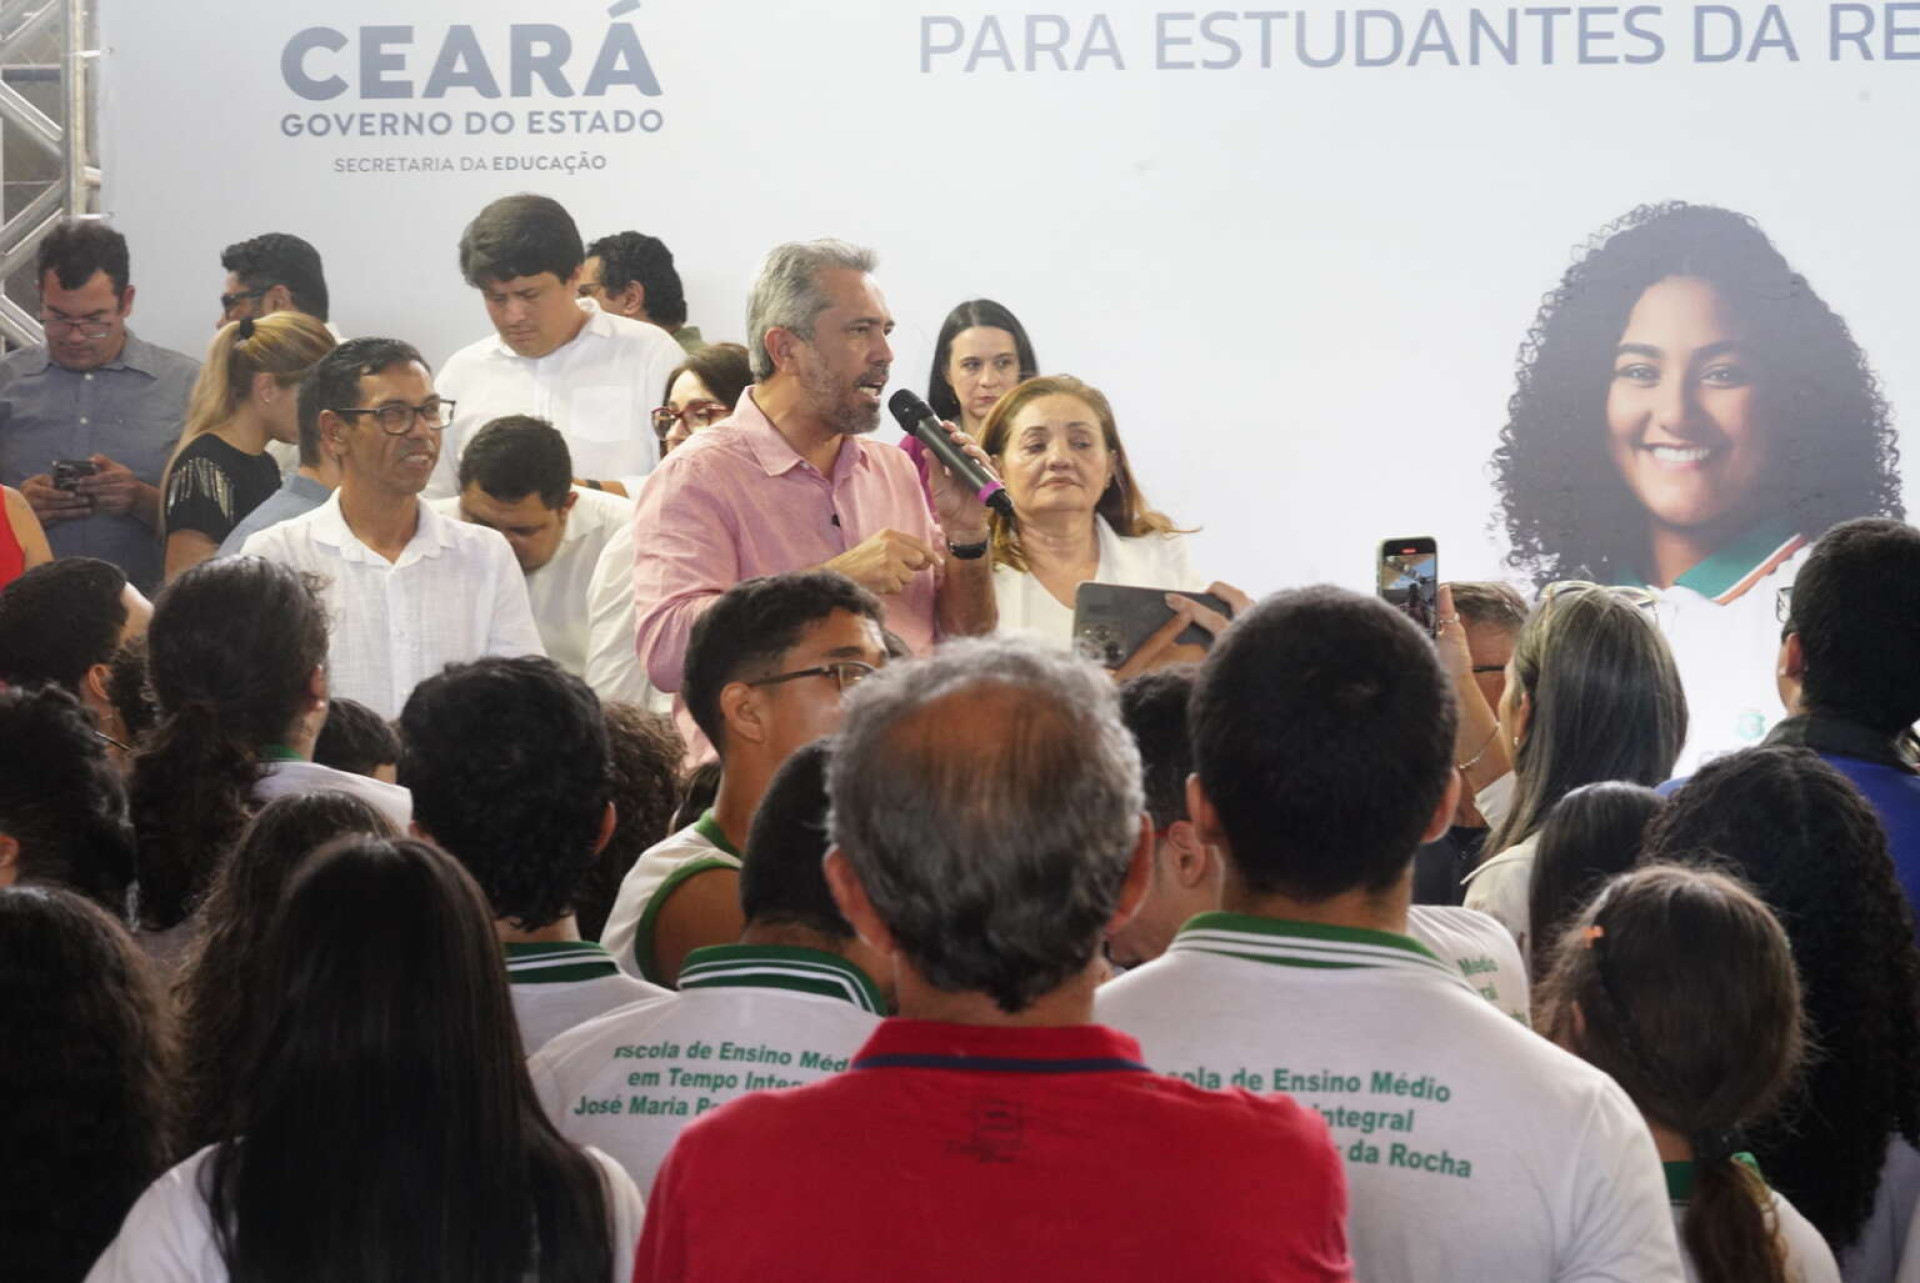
(1315,256)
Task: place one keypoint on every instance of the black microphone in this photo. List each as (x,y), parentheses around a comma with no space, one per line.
(918,420)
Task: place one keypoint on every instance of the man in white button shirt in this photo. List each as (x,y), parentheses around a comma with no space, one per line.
(515,478)
(594,376)
(408,591)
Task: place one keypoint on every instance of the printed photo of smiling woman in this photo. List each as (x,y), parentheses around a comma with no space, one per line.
(1689,415)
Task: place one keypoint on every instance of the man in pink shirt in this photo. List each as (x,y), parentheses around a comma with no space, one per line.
(792,482)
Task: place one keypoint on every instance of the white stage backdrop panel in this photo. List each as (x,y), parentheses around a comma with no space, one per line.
(1300,250)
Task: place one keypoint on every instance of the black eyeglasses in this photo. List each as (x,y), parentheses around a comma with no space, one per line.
(228,300)
(1489,668)
(396,418)
(844,672)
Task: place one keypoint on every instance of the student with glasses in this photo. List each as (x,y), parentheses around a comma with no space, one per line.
(766,666)
(93,411)
(409,590)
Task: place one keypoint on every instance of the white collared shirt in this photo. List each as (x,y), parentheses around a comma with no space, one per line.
(1148,561)
(295,779)
(455,594)
(598,389)
(559,590)
(613,665)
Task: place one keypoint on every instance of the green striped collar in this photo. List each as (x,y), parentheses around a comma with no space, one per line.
(709,828)
(1309,945)
(1680,1177)
(1741,562)
(560,963)
(773,966)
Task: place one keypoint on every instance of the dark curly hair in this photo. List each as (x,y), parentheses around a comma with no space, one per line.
(86,1053)
(229,932)
(645,754)
(1836,459)
(1813,848)
(507,761)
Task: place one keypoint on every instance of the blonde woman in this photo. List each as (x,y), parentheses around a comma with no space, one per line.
(245,397)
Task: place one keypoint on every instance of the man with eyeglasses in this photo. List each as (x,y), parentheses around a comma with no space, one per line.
(766,665)
(90,414)
(408,590)
(273,272)
(559,357)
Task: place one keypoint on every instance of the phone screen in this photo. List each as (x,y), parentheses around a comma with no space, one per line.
(1409,579)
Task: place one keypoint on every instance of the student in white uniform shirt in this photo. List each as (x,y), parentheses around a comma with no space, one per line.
(509,767)
(1592,694)
(1186,878)
(1323,735)
(236,660)
(1680,984)
(794,1000)
(1082,516)
(409,590)
(593,375)
(516,477)
(766,665)
(385,1127)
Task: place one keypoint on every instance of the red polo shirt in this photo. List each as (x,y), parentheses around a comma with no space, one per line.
(959,1152)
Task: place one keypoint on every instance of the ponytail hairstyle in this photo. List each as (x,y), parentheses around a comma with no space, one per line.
(231,654)
(229,933)
(1678,982)
(86,1054)
(284,344)
(391,1133)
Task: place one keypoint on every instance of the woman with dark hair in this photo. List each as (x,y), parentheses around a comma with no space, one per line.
(701,392)
(86,1060)
(982,352)
(1591,695)
(1689,413)
(1814,851)
(228,934)
(236,657)
(1592,834)
(384,1128)
(1680,984)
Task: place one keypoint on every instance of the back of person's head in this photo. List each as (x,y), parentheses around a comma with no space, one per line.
(217,1014)
(1322,732)
(334,384)
(979,313)
(781,879)
(1604,700)
(742,636)
(86,1058)
(788,292)
(355,739)
(507,761)
(722,367)
(1154,706)
(1590,835)
(231,658)
(697,792)
(1813,848)
(279,258)
(76,248)
(63,811)
(1685,993)
(517,236)
(644,753)
(127,689)
(1856,609)
(626,257)
(385,1075)
(988,800)
(59,619)
(1489,604)
(285,346)
(518,455)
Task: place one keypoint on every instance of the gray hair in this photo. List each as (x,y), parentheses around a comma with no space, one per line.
(992,835)
(787,293)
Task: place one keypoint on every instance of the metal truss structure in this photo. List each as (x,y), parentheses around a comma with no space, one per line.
(45,65)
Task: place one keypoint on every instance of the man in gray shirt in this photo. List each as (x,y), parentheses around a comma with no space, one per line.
(92,394)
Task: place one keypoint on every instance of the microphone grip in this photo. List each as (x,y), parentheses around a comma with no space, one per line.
(914,415)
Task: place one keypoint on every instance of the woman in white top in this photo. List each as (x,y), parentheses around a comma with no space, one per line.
(1680,983)
(1592,694)
(1081,515)
(384,1127)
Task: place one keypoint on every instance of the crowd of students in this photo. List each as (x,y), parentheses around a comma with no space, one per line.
(365,915)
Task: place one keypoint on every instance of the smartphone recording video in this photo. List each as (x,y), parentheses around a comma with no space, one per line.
(1409,579)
